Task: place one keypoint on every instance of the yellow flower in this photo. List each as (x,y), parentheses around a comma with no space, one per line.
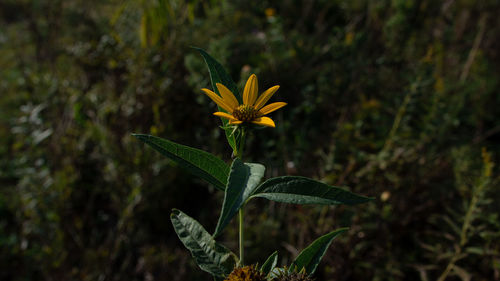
(252,110)
(270,12)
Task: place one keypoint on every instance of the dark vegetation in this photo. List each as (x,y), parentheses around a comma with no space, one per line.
(398,100)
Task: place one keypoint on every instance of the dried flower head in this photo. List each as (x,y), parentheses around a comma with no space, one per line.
(246,273)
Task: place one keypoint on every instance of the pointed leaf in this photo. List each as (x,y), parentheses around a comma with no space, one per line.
(219,75)
(208,254)
(310,257)
(270,263)
(301,190)
(243,179)
(198,162)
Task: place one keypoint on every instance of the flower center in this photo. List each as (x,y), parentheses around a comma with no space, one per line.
(245,113)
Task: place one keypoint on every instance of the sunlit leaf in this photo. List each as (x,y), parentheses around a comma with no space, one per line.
(243,179)
(219,75)
(301,190)
(208,254)
(198,162)
(270,263)
(310,257)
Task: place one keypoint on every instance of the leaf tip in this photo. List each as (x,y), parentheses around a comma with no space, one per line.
(364,199)
(140,136)
(175,212)
(342,229)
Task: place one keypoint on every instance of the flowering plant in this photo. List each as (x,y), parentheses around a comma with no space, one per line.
(242,182)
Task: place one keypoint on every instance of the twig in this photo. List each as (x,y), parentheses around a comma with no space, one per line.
(475,47)
(486,135)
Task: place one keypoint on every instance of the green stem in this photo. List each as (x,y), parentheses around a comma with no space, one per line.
(242,233)
(239,153)
(242,143)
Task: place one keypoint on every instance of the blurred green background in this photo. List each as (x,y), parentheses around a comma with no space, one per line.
(395,99)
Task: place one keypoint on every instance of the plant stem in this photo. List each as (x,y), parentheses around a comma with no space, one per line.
(465,228)
(242,143)
(239,153)
(242,248)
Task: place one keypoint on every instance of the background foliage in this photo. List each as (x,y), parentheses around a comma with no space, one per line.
(397,99)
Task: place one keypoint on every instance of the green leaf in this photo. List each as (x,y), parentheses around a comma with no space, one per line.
(198,162)
(243,179)
(310,257)
(208,254)
(270,263)
(219,75)
(301,190)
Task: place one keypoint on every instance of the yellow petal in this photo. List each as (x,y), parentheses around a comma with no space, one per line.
(265,97)
(251,90)
(227,96)
(225,115)
(264,121)
(271,107)
(236,122)
(218,100)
